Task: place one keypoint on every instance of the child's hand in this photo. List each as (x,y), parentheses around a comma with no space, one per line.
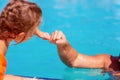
(58,38)
(42,35)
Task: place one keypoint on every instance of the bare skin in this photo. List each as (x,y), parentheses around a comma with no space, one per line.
(4,46)
(73,58)
(19,20)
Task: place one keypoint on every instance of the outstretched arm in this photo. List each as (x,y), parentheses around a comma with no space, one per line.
(41,34)
(74,59)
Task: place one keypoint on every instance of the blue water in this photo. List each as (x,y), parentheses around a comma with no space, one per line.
(91,27)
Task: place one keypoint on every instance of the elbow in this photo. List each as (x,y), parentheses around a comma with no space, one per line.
(71,61)
(72,64)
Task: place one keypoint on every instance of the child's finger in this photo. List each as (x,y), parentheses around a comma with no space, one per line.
(46,36)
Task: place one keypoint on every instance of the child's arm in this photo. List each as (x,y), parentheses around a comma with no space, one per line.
(42,35)
(74,59)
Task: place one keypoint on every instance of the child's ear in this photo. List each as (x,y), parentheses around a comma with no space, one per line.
(20,37)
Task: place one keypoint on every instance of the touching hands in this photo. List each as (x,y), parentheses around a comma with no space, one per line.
(56,37)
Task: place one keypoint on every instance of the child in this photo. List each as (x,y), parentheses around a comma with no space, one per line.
(19,20)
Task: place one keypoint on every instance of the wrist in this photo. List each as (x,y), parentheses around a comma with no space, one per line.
(63,45)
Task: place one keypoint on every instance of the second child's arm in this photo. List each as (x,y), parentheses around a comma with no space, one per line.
(74,59)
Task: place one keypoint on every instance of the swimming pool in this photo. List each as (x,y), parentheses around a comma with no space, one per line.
(91,26)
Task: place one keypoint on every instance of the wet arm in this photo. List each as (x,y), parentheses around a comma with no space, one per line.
(74,59)
(67,54)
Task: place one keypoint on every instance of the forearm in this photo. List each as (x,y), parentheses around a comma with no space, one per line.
(67,54)
(74,59)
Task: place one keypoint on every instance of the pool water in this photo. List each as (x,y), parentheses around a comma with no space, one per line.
(91,27)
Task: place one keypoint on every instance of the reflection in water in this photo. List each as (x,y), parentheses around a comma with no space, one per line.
(79,74)
(113,77)
(117,18)
(79,7)
(117,9)
(117,2)
(70,8)
(91,74)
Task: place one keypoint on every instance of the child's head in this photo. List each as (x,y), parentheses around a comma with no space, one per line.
(19,17)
